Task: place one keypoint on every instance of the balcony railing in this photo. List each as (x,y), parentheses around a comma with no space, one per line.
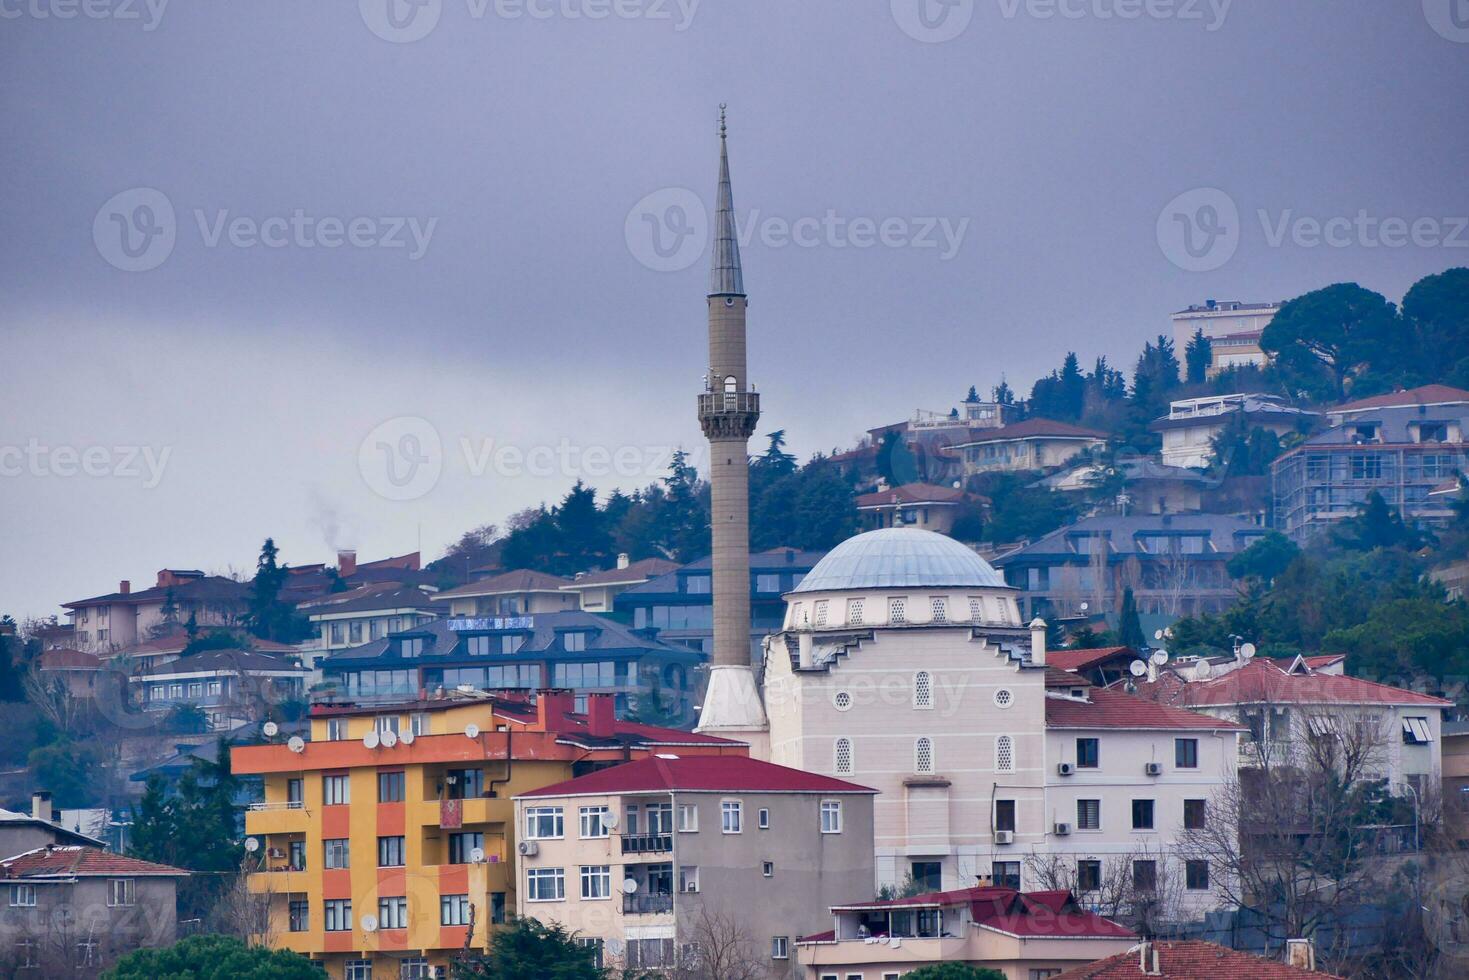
(646,904)
(648,844)
(729,402)
(292,805)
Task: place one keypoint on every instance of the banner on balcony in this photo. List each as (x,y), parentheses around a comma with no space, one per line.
(451,814)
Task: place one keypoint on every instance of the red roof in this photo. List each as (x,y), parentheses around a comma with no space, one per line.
(1048,914)
(911,493)
(1109,708)
(1082,659)
(701,774)
(1037,429)
(1262,681)
(1189,959)
(1426,395)
(75,861)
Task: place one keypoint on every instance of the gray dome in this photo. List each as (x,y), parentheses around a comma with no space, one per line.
(900,558)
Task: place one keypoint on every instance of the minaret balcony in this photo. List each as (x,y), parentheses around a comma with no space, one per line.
(729,414)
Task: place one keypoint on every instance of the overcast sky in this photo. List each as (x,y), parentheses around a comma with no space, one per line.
(259,258)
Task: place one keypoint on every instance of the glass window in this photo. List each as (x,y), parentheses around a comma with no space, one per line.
(1006,874)
(780,947)
(546,884)
(466,784)
(22,896)
(1088,753)
(732,815)
(831,816)
(336,729)
(844,756)
(296,855)
(688,818)
(1194,814)
(454,910)
(1142,814)
(390,852)
(1088,814)
(336,790)
(338,852)
(766,582)
(338,915)
(1004,754)
(596,881)
(390,787)
(1196,875)
(574,642)
(697,584)
(923,755)
(298,914)
(1088,875)
(1186,753)
(1005,815)
(592,823)
(927,875)
(923,690)
(688,878)
(544,823)
(660,818)
(854,612)
(1145,876)
(763,819)
(410,648)
(462,846)
(295,793)
(392,912)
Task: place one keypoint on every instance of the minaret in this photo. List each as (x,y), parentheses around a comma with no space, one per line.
(728,411)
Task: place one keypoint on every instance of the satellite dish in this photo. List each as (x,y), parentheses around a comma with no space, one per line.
(369,923)
(252,844)
(610,820)
(370,740)
(271,729)
(389,739)
(1203,668)
(629,885)
(1159,657)
(297,744)
(1137,668)
(1247,651)
(471,730)
(1157,634)
(406,738)
(477,856)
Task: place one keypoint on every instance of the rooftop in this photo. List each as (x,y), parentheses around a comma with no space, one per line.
(698,774)
(1189,959)
(1035,428)
(1045,914)
(67,861)
(1426,395)
(1082,659)
(367,598)
(1225,535)
(1262,681)
(225,661)
(508,583)
(1112,708)
(911,493)
(897,558)
(638,571)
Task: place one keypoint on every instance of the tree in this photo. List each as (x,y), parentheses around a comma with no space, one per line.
(1375,525)
(529,948)
(826,511)
(1197,357)
(1324,341)
(1003,394)
(1021,512)
(954,971)
(269,616)
(1436,312)
(68,769)
(1129,625)
(722,948)
(213,957)
(11,679)
(1264,559)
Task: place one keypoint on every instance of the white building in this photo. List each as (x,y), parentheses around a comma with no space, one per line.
(1233,329)
(1192,424)
(903,665)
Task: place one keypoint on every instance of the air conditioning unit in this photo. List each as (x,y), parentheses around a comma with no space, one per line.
(528,848)
(1153,768)
(1063,829)
(1004,837)
(1065,769)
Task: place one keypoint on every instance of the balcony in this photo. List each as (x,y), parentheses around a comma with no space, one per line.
(648,844)
(653,904)
(275,818)
(281,880)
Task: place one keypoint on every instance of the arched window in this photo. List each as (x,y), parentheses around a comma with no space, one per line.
(939,609)
(897,613)
(976,609)
(923,755)
(1004,754)
(844,756)
(923,690)
(731,385)
(854,612)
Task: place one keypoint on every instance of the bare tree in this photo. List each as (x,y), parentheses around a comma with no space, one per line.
(53,700)
(1143,888)
(719,947)
(243,913)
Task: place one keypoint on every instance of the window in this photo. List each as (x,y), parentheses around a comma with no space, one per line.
(854,612)
(1142,814)
(697,585)
(688,878)
(336,790)
(1193,814)
(1004,698)
(1186,753)
(766,582)
(462,846)
(338,852)
(120,892)
(511,642)
(780,947)
(176,691)
(22,896)
(1006,874)
(1005,815)
(927,875)
(574,642)
(592,821)
(418,724)
(1088,875)
(938,608)
(763,819)
(390,787)
(1088,753)
(831,816)
(1416,731)
(497,908)
(295,793)
(598,948)
(298,914)
(392,912)
(596,881)
(976,609)
(923,755)
(923,690)
(411,648)
(339,633)
(844,756)
(542,885)
(390,852)
(336,729)
(466,784)
(630,821)
(296,851)
(358,970)
(897,611)
(732,815)
(1088,814)
(1004,754)
(688,818)
(196,689)
(454,909)
(767,869)
(1145,876)
(544,823)
(354,630)
(842,700)
(1196,875)
(414,968)
(821,607)
(338,915)
(660,818)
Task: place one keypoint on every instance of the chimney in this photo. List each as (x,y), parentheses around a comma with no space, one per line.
(1301,953)
(165,578)
(346,563)
(41,806)
(601,715)
(623,560)
(1038,642)
(552,707)
(125,587)
(1148,961)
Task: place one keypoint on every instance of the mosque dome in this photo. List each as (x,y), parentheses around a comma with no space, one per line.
(900,558)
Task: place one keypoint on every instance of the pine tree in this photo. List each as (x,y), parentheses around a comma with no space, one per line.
(1197,356)
(1129,624)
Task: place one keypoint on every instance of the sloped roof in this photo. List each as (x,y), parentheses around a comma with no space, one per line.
(1075,660)
(209,588)
(911,493)
(1109,708)
(710,774)
(1190,959)
(521,580)
(13,818)
(638,571)
(77,861)
(1226,535)
(366,598)
(1034,428)
(1426,395)
(214,661)
(1261,681)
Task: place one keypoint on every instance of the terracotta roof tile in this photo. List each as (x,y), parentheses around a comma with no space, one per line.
(699,773)
(1082,659)
(1426,395)
(638,571)
(1190,959)
(75,861)
(1108,708)
(1261,680)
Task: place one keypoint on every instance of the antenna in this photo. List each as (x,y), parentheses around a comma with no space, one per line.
(1247,651)
(1203,669)
(252,844)
(297,744)
(1137,668)
(1159,657)
(610,820)
(271,729)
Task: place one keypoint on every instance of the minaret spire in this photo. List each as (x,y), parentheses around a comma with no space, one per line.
(726,278)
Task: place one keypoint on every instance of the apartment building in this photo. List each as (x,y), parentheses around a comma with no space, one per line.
(1233,329)
(597,592)
(518,593)
(1189,429)
(229,687)
(369,612)
(1034,444)
(920,505)
(652,860)
(1022,935)
(107,623)
(1403,446)
(392,832)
